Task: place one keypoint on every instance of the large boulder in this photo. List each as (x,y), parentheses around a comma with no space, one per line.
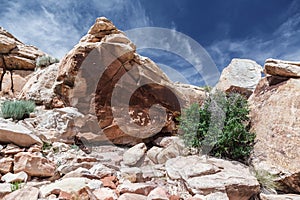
(210,175)
(15,55)
(40,86)
(275,111)
(103,75)
(17,134)
(240,75)
(282,68)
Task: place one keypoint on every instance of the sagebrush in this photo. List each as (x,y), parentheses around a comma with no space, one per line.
(219,127)
(17,110)
(46,60)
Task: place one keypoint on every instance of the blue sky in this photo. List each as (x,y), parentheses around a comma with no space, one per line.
(253,29)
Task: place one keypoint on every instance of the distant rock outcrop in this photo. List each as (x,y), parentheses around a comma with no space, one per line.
(15,55)
(241,75)
(104,74)
(275,111)
(282,68)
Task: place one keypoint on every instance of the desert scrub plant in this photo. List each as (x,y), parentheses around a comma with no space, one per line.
(15,186)
(45,60)
(219,127)
(266,180)
(17,110)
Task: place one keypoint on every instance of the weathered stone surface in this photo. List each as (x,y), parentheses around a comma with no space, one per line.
(133,174)
(242,73)
(279,197)
(57,125)
(158,194)
(18,82)
(30,193)
(205,176)
(40,86)
(17,55)
(130,196)
(282,68)
(33,165)
(275,111)
(68,185)
(133,155)
(106,194)
(136,188)
(5,188)
(17,134)
(105,61)
(18,177)
(6,165)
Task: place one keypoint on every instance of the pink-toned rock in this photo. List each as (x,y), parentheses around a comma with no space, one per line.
(33,165)
(137,188)
(130,196)
(118,71)
(275,111)
(5,188)
(105,194)
(6,165)
(30,193)
(158,194)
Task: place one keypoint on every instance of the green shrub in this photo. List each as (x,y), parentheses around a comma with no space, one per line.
(17,109)
(46,60)
(219,126)
(15,186)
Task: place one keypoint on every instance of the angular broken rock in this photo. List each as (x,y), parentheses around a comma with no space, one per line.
(242,73)
(279,196)
(209,175)
(282,68)
(131,196)
(30,193)
(33,165)
(17,134)
(18,177)
(133,155)
(136,188)
(104,76)
(275,111)
(6,165)
(68,185)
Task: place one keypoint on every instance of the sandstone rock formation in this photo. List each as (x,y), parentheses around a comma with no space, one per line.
(103,74)
(17,134)
(275,111)
(15,55)
(282,68)
(241,75)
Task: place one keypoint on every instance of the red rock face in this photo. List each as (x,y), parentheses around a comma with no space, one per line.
(129,94)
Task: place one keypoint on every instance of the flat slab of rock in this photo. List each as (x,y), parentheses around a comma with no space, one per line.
(17,134)
(275,111)
(136,188)
(204,176)
(279,197)
(31,193)
(282,68)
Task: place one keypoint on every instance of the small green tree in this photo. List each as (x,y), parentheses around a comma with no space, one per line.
(17,109)
(219,127)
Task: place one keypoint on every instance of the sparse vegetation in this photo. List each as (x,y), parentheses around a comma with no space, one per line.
(17,110)
(15,186)
(46,60)
(219,127)
(266,180)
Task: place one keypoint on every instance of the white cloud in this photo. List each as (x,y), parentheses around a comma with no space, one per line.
(282,44)
(56,26)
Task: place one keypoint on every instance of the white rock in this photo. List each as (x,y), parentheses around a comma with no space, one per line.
(133,155)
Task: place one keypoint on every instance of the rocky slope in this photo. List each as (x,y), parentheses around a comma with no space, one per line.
(58,152)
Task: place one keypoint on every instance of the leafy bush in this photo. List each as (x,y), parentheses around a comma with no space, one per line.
(17,109)
(46,60)
(219,126)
